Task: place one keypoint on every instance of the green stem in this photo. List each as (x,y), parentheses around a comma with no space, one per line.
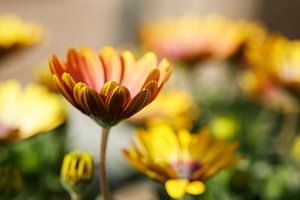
(102,164)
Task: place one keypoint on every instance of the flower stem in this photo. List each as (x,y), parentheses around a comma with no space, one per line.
(102,166)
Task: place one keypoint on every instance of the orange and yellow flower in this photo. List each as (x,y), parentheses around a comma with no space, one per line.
(275,62)
(180,160)
(15,32)
(110,86)
(174,107)
(189,38)
(27,112)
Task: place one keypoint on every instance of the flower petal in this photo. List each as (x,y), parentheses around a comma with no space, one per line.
(94,102)
(78,94)
(137,103)
(107,88)
(112,64)
(64,90)
(196,188)
(117,100)
(94,67)
(153,76)
(152,87)
(56,66)
(176,188)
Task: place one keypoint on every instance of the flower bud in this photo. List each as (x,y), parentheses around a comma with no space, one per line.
(77,171)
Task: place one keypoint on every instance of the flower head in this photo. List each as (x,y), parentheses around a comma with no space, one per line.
(174,107)
(110,86)
(181,160)
(77,171)
(193,38)
(15,32)
(27,112)
(259,87)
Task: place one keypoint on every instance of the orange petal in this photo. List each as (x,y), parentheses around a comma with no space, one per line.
(117,100)
(63,89)
(112,64)
(76,66)
(137,103)
(128,62)
(94,67)
(56,66)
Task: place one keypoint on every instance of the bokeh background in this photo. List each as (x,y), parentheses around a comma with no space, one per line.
(96,23)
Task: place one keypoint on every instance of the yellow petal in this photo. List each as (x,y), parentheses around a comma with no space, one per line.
(196,188)
(176,188)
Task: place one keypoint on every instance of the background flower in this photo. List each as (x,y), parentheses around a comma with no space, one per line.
(14,32)
(189,38)
(174,107)
(181,160)
(27,112)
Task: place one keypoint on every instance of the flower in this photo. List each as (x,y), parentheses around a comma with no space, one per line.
(259,87)
(180,160)
(295,150)
(27,112)
(110,86)
(77,171)
(15,32)
(174,107)
(189,38)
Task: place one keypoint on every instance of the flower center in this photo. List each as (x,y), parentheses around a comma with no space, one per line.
(185,169)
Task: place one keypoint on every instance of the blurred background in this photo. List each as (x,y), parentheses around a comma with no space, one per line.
(96,23)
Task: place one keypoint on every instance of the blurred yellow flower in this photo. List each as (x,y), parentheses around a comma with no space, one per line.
(77,171)
(27,112)
(15,32)
(174,107)
(224,127)
(189,38)
(43,77)
(109,86)
(180,160)
(279,59)
(259,87)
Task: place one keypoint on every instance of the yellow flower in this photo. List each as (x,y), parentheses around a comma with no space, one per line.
(174,107)
(15,32)
(259,87)
(189,38)
(43,77)
(110,86)
(180,160)
(77,171)
(27,112)
(224,127)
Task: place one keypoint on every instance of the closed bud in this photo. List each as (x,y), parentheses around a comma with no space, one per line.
(77,172)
